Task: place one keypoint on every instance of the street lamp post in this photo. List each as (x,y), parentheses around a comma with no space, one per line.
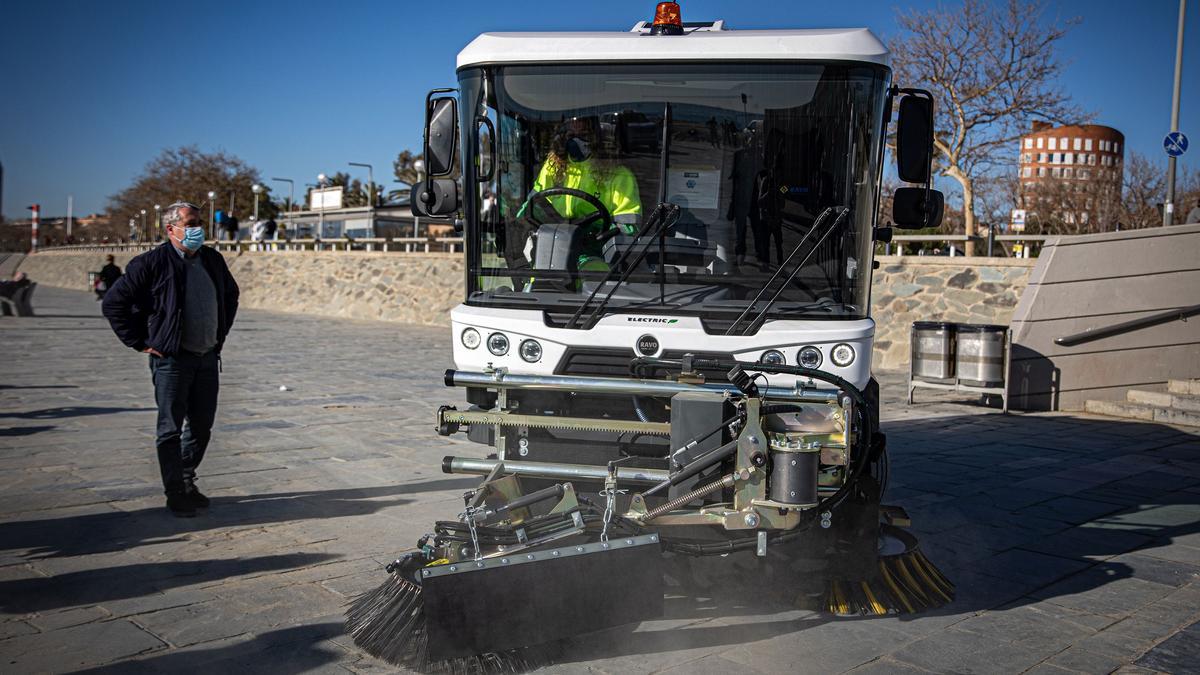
(419,167)
(145,232)
(1169,205)
(291,199)
(370,182)
(212,215)
(158,216)
(256,189)
(322,180)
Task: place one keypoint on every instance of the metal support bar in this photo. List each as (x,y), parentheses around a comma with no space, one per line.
(556,471)
(606,385)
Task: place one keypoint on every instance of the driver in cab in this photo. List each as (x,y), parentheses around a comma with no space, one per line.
(572,163)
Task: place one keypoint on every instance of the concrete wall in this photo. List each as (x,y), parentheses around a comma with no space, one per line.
(1095,281)
(422,288)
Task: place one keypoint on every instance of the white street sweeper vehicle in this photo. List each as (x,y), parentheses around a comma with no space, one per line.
(666,339)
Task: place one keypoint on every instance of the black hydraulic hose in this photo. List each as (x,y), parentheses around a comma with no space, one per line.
(861,408)
(728,546)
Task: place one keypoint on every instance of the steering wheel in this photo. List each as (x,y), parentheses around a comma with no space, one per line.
(542,198)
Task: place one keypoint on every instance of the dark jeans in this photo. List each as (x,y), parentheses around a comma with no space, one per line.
(185,389)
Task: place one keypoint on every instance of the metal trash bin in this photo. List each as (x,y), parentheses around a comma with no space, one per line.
(933,348)
(979,358)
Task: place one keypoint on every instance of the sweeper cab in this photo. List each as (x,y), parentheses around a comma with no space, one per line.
(666,339)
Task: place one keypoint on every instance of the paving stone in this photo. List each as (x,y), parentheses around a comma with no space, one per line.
(829,647)
(1027,626)
(710,665)
(1077,659)
(1088,542)
(1047,668)
(1030,567)
(71,617)
(14,627)
(315,489)
(1107,590)
(962,652)
(1178,654)
(886,666)
(77,646)
(1169,612)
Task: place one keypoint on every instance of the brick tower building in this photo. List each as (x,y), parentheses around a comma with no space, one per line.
(1070,176)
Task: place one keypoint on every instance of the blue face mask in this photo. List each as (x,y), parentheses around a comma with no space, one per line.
(578,149)
(193,238)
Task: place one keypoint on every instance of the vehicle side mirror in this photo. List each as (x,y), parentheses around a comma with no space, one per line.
(434,197)
(914,208)
(441,134)
(914,137)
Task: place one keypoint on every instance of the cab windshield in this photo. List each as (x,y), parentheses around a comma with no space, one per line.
(564,165)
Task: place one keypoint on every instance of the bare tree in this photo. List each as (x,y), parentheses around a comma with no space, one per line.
(189,174)
(1146,189)
(992,70)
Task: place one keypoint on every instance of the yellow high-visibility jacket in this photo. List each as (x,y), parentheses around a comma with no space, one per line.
(618,190)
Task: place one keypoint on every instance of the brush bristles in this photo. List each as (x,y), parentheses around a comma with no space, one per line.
(906,584)
(389,624)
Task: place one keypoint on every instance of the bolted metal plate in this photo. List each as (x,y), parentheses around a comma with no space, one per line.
(476,607)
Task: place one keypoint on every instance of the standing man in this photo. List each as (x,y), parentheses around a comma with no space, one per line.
(176,303)
(108,276)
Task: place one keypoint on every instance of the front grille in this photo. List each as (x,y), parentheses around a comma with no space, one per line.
(595,362)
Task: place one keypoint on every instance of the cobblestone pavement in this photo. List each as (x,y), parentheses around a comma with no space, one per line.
(1074,540)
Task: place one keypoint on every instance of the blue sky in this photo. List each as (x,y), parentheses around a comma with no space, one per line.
(92,91)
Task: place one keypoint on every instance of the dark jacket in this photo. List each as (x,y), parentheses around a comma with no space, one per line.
(145,306)
(110,273)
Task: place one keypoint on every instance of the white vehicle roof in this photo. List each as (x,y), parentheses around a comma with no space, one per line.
(827,44)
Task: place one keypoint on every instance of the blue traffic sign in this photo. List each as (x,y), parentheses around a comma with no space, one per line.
(1175,143)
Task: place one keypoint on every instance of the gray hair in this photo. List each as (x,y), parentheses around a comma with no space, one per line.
(172,214)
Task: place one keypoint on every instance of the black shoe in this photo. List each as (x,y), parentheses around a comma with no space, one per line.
(181,505)
(195,496)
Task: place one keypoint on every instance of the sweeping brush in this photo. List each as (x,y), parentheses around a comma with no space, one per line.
(906,582)
(389,624)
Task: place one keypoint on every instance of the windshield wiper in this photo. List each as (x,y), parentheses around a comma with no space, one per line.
(662,217)
(762,314)
(664,164)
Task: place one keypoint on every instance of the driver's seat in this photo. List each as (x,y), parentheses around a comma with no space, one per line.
(556,247)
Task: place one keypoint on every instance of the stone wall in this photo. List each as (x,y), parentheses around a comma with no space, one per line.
(934,288)
(422,288)
(416,288)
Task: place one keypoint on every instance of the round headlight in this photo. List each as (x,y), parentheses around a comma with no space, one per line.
(842,355)
(809,357)
(531,351)
(772,357)
(470,338)
(498,344)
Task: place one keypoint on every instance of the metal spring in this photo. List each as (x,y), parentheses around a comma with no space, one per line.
(681,500)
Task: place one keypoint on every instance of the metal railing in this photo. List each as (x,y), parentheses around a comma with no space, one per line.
(955,242)
(1093,334)
(381,244)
